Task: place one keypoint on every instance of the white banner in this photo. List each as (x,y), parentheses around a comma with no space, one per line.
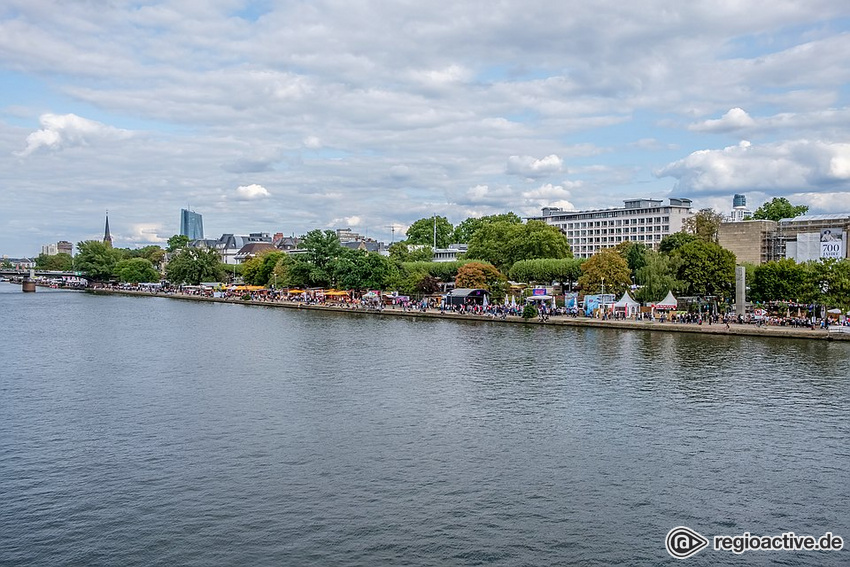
(832,243)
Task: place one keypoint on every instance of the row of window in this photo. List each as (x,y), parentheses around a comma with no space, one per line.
(578,243)
(665,229)
(622,222)
(617,213)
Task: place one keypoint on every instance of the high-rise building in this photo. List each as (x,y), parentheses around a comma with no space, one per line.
(191,224)
(739,209)
(65,247)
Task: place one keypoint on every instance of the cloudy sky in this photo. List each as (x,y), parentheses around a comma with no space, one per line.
(283,116)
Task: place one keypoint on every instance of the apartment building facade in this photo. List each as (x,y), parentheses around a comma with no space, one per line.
(640,220)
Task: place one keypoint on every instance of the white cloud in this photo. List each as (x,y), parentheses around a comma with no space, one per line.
(146,233)
(251,192)
(312,142)
(529,167)
(549,192)
(735,119)
(549,195)
(345,222)
(784,166)
(394,111)
(68,130)
(477,192)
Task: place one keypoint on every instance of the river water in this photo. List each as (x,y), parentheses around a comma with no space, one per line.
(148,431)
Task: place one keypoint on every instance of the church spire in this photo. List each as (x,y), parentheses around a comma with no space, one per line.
(107,238)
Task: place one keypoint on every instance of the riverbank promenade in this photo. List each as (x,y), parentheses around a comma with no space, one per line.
(835,334)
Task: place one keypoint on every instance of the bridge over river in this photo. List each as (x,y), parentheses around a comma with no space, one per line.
(29,279)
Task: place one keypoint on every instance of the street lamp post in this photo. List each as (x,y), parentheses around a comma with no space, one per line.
(603,299)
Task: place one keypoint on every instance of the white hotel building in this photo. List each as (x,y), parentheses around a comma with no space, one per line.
(641,220)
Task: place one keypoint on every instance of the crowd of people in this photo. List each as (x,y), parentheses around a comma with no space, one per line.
(378,302)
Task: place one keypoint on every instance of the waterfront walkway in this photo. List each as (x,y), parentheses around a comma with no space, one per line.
(562,320)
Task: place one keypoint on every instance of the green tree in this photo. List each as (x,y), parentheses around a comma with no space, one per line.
(489,243)
(6,264)
(657,277)
(60,262)
(634,253)
(443,271)
(828,283)
(503,244)
(193,266)
(779,208)
(674,241)
(259,270)
(177,242)
(136,270)
(361,270)
(478,275)
(704,224)
(422,232)
(400,252)
(419,282)
(323,248)
(706,269)
(536,239)
(96,260)
(605,266)
(781,280)
(547,270)
(154,253)
(464,231)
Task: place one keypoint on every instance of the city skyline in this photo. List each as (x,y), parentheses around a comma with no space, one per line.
(294,116)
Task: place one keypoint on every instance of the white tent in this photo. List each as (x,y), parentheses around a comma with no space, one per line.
(628,305)
(541,299)
(668,302)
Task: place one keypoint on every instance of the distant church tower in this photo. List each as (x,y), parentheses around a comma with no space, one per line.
(107,238)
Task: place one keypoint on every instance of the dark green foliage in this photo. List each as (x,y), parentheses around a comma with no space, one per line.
(177,242)
(135,270)
(259,270)
(422,232)
(360,270)
(657,277)
(61,262)
(443,271)
(782,280)
(779,208)
(96,260)
(675,241)
(464,231)
(193,266)
(323,248)
(704,224)
(706,269)
(608,269)
(634,253)
(547,270)
(529,311)
(400,253)
(503,244)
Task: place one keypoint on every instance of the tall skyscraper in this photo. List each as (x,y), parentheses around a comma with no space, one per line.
(739,208)
(191,224)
